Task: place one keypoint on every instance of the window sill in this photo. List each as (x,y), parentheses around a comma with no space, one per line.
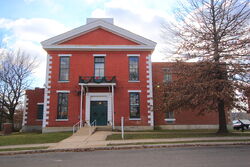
(62,120)
(133,81)
(170,120)
(134,119)
(63,81)
(39,120)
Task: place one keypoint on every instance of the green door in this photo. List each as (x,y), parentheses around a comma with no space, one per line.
(98,112)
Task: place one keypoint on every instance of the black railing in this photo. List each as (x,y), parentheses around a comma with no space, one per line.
(94,79)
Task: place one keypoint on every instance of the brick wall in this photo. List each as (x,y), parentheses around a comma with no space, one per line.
(184,117)
(32,98)
(82,64)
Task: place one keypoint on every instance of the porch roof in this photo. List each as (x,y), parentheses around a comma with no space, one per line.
(94,81)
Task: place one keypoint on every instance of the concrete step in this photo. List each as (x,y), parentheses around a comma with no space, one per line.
(104,128)
(85,131)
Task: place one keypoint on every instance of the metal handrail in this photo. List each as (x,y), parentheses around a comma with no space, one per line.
(76,126)
(93,124)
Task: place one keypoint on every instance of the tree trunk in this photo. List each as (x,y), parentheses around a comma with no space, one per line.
(222,118)
(11,119)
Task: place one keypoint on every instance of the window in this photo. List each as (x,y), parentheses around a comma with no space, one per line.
(64,69)
(39,111)
(99,66)
(62,109)
(134,68)
(167,75)
(169,117)
(134,104)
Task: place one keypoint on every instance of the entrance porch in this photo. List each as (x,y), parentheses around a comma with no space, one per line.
(98,107)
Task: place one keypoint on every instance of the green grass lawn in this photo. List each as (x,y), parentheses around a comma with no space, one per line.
(33,138)
(173,134)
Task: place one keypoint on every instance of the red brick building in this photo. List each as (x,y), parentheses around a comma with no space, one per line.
(185,119)
(33,113)
(99,73)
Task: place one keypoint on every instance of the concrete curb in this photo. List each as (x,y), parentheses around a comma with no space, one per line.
(28,145)
(125,147)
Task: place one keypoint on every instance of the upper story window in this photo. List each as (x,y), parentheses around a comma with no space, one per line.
(167,75)
(99,66)
(133,68)
(64,68)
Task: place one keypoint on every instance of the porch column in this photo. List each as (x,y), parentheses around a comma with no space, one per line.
(113,112)
(81,106)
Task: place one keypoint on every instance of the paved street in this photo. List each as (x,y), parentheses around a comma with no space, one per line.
(220,156)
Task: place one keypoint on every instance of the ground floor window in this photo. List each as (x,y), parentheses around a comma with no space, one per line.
(62,109)
(134,104)
(40,111)
(169,116)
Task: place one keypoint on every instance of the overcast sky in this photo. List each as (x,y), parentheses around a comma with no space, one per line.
(25,23)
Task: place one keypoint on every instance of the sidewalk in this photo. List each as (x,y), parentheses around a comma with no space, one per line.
(98,139)
(82,141)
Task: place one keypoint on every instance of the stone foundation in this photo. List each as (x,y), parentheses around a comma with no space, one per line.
(56,129)
(135,128)
(188,127)
(35,128)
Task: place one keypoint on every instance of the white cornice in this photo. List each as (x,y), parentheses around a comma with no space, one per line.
(99,47)
(95,25)
(99,55)
(133,55)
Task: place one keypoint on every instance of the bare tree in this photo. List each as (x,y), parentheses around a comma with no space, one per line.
(214,33)
(15,77)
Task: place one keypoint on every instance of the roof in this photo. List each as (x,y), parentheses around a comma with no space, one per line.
(53,43)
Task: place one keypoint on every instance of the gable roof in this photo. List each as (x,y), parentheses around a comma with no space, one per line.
(53,43)
(99,37)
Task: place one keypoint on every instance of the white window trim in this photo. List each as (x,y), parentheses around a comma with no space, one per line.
(63,81)
(170,119)
(133,81)
(130,55)
(64,55)
(63,91)
(39,103)
(62,120)
(134,91)
(134,119)
(99,55)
